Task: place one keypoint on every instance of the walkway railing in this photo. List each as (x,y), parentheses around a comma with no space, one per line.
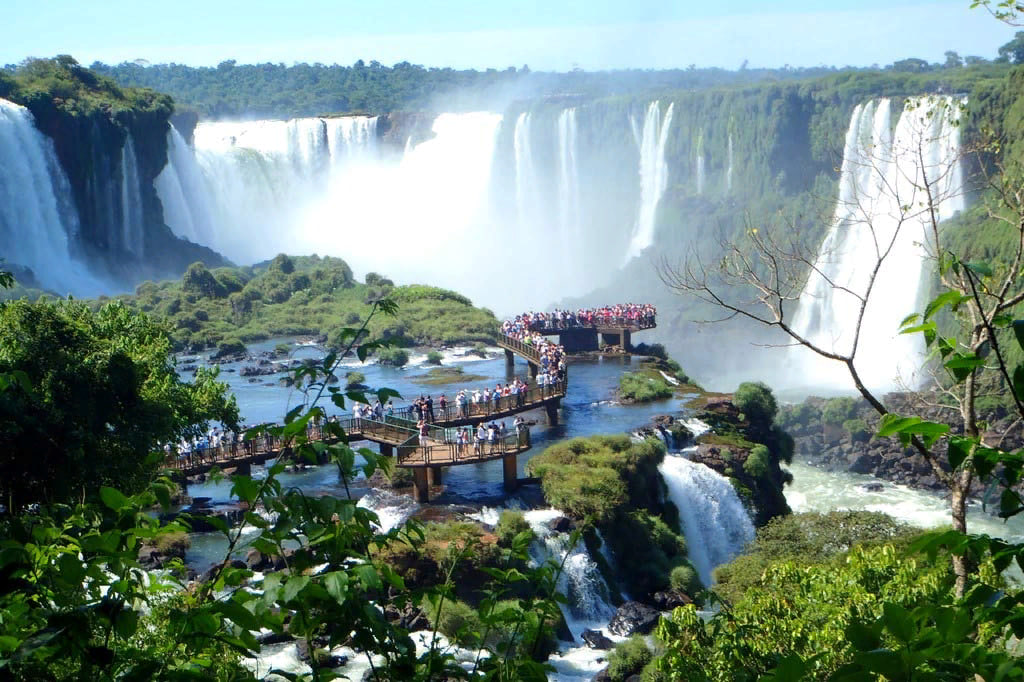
(527,350)
(636,323)
(470,410)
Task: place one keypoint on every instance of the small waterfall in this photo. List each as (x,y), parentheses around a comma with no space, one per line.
(570,227)
(653,176)
(715,524)
(37,221)
(728,168)
(582,583)
(132,238)
(392,510)
(700,163)
(882,203)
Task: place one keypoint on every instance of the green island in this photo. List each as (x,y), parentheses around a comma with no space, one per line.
(227,307)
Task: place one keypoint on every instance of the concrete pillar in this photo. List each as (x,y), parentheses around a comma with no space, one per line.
(435,475)
(533,370)
(552,410)
(387,450)
(611,339)
(421,486)
(510,360)
(244,469)
(627,343)
(510,472)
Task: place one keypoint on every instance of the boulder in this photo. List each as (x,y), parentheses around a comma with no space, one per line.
(563,524)
(602,676)
(632,618)
(670,599)
(595,639)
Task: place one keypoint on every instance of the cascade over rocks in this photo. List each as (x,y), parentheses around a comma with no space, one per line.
(595,639)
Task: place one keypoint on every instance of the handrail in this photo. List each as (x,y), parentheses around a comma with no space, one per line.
(562,325)
(452,412)
(527,350)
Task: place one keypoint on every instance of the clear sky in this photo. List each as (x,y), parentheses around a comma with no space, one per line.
(590,34)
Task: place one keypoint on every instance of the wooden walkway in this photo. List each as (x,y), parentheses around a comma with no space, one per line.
(399,435)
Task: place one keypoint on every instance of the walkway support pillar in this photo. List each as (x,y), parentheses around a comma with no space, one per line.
(533,370)
(627,343)
(510,471)
(421,486)
(552,410)
(243,469)
(510,360)
(387,450)
(435,475)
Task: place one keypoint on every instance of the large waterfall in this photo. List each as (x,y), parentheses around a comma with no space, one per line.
(37,219)
(485,200)
(883,213)
(716,525)
(653,175)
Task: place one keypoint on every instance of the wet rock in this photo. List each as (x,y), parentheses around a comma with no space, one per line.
(632,618)
(273,638)
(563,524)
(670,599)
(872,487)
(595,639)
(602,676)
(864,463)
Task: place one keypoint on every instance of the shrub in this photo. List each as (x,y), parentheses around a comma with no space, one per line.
(172,544)
(396,357)
(628,658)
(797,415)
(200,281)
(684,579)
(375,280)
(201,315)
(858,430)
(434,358)
(654,350)
(479,350)
(354,378)
(758,462)
(839,410)
(283,264)
(755,400)
(229,347)
(353,318)
(282,349)
(510,524)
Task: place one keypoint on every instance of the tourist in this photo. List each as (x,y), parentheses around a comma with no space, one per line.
(429,403)
(481,438)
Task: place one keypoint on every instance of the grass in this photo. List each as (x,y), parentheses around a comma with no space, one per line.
(644,386)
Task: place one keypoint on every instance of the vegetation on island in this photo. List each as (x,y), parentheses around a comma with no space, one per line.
(305,295)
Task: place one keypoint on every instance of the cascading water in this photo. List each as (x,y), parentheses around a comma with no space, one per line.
(883,210)
(728,168)
(529,211)
(131,200)
(653,175)
(581,581)
(36,227)
(570,225)
(700,164)
(184,193)
(715,524)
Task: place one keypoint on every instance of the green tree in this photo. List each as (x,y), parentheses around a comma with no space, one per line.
(755,399)
(1013,51)
(102,396)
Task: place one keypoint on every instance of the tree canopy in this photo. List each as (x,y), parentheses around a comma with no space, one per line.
(99,394)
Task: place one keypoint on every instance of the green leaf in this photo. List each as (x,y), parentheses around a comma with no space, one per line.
(898,622)
(1018,381)
(336,583)
(367,575)
(1018,331)
(292,588)
(950,298)
(863,637)
(959,448)
(979,268)
(113,498)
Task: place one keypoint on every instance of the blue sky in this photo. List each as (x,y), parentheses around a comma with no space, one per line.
(597,34)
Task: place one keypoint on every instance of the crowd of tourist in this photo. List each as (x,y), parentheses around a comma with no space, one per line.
(640,314)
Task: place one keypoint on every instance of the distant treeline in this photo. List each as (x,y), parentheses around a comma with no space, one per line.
(279,91)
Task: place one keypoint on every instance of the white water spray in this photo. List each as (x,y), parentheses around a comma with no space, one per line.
(728,168)
(883,210)
(570,225)
(131,200)
(715,524)
(653,176)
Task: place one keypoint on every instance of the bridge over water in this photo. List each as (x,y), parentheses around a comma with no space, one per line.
(398,434)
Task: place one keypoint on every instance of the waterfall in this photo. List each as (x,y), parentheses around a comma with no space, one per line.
(528,209)
(716,525)
(37,219)
(131,200)
(653,176)
(700,163)
(882,205)
(728,168)
(183,191)
(581,582)
(570,227)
